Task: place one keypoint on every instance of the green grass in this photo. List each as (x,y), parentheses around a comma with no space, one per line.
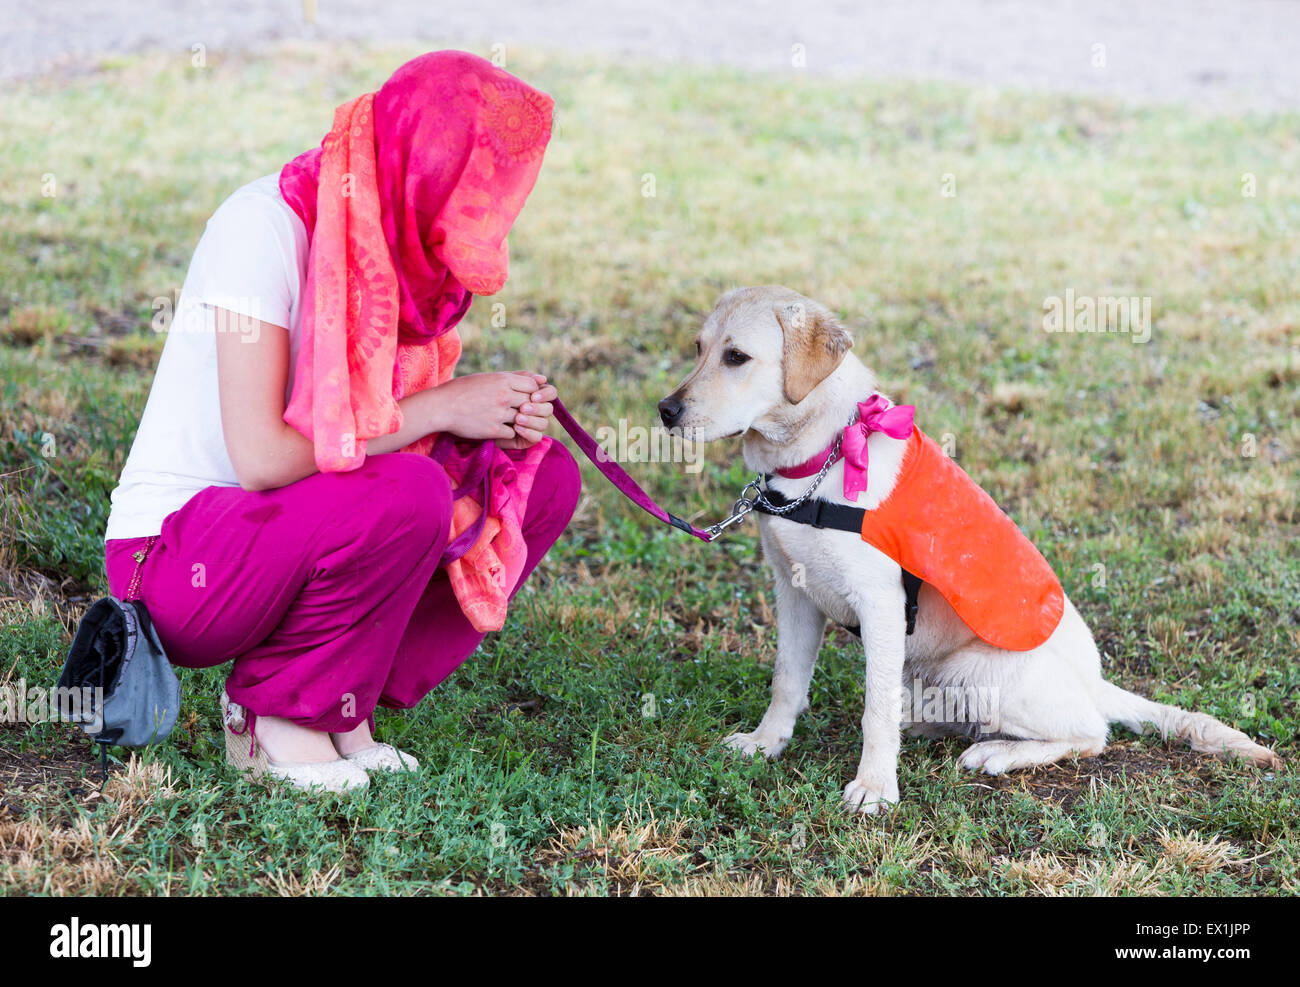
(541,770)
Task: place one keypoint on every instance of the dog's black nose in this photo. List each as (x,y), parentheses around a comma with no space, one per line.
(670,409)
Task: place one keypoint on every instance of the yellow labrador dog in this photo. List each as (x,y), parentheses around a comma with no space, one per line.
(777,369)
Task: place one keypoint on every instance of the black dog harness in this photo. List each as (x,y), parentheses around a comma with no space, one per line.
(825,514)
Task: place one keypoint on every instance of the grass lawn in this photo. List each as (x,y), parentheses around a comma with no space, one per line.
(577,752)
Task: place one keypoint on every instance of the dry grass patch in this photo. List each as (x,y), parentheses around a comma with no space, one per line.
(731,886)
(1199,855)
(37,857)
(288,884)
(67,852)
(1015,396)
(1047,874)
(630,854)
(33,324)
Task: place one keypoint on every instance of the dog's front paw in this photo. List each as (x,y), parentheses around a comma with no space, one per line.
(869,798)
(758,742)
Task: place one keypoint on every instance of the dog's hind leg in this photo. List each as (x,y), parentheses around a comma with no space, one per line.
(1199,730)
(1031,707)
(800,625)
(995,757)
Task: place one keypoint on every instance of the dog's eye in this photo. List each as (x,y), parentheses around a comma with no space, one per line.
(734,358)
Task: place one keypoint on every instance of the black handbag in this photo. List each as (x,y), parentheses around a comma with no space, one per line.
(118,662)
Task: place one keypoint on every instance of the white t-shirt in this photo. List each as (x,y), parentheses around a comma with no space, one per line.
(251,259)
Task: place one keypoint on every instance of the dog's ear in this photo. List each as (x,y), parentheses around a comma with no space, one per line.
(814,344)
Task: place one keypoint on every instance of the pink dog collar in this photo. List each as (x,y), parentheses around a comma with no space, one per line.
(875,414)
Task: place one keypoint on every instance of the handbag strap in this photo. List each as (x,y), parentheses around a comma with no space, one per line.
(133,590)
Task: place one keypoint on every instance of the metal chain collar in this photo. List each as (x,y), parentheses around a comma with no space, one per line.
(745,505)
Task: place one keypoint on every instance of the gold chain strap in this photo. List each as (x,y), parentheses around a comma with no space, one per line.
(133,590)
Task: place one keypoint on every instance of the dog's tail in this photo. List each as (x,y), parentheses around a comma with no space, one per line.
(1201,732)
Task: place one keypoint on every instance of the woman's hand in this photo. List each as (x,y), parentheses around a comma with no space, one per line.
(533,417)
(511,408)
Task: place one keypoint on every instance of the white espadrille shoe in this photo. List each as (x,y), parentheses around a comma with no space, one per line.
(243,754)
(382,757)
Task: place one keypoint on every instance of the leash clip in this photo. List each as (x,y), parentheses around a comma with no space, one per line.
(743,506)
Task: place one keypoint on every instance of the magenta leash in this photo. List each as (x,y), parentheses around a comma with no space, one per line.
(629,488)
(618,476)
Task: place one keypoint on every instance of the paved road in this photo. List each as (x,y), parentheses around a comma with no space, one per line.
(1225,55)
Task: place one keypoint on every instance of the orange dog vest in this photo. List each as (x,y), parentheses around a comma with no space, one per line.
(938,524)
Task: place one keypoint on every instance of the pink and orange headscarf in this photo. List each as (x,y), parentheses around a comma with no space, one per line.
(407,203)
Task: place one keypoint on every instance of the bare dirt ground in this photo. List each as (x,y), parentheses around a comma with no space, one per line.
(1223,56)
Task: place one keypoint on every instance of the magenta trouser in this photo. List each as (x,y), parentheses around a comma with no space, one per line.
(325,593)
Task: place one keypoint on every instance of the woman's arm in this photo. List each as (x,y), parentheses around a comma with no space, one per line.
(267,452)
(252,371)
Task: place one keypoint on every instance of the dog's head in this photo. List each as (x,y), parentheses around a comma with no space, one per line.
(760,352)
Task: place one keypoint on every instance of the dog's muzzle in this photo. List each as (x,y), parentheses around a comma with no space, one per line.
(670,410)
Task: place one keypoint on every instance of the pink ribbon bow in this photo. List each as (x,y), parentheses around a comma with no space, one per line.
(874,415)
